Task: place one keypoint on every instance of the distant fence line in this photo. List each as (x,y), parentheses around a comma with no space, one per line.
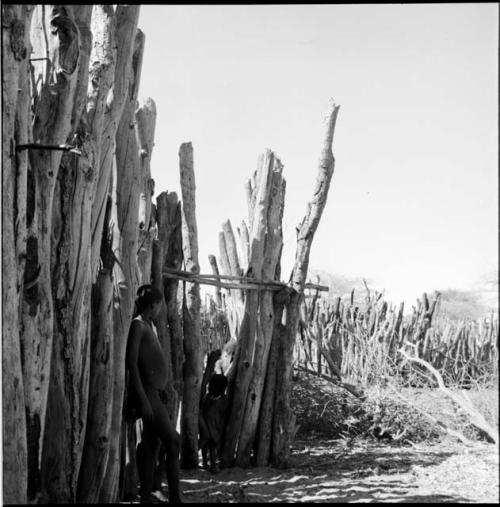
(360,342)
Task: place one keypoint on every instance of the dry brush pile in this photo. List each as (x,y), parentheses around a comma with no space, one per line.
(393,360)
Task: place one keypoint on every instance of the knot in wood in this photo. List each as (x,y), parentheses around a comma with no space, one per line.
(17,44)
(68,51)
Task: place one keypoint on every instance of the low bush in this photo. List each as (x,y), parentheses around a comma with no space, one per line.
(330,412)
(387,413)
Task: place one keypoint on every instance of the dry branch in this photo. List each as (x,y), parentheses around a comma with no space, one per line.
(476,418)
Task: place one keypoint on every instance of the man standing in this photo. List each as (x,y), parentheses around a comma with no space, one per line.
(147,368)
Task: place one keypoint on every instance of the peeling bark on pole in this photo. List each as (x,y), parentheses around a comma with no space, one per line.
(161,322)
(72,274)
(250,331)
(145,125)
(97,436)
(15,53)
(170,234)
(160,247)
(265,428)
(233,317)
(191,315)
(283,416)
(235,296)
(126,18)
(126,191)
(53,106)
(244,245)
(124,30)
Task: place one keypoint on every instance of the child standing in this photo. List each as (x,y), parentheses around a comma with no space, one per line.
(213,418)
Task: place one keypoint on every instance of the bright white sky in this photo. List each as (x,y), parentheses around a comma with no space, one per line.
(413,204)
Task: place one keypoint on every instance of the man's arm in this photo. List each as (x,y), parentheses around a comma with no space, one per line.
(133,343)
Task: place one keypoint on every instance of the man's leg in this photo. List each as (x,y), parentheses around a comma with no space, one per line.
(146,458)
(214,467)
(203,440)
(160,471)
(165,431)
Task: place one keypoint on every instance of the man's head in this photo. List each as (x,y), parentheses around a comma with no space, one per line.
(148,300)
(217,385)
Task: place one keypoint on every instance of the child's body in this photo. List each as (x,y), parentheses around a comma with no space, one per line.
(213,418)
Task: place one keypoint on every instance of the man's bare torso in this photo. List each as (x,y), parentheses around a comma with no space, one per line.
(151,359)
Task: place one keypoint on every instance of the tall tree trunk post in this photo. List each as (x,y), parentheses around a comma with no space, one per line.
(96,449)
(71,273)
(56,40)
(146,121)
(98,437)
(249,331)
(305,234)
(272,251)
(160,247)
(191,315)
(16,48)
(266,416)
(126,192)
(127,54)
(170,234)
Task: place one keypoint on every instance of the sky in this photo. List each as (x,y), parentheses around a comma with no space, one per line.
(413,203)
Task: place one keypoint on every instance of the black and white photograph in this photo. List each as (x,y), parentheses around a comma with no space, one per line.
(250,253)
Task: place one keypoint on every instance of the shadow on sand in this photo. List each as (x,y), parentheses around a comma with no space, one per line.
(330,473)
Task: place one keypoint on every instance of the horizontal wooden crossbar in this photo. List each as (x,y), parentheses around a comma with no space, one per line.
(37,146)
(244,282)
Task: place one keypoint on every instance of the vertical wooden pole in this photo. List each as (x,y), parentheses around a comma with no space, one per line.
(16,21)
(272,252)
(168,253)
(52,123)
(191,314)
(126,191)
(96,449)
(126,18)
(305,234)
(145,125)
(249,327)
(215,271)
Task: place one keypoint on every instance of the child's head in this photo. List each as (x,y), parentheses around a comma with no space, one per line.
(147,296)
(217,385)
(213,356)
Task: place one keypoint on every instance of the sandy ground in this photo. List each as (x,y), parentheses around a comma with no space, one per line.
(363,471)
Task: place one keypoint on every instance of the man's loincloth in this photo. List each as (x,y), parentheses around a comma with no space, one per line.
(132,403)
